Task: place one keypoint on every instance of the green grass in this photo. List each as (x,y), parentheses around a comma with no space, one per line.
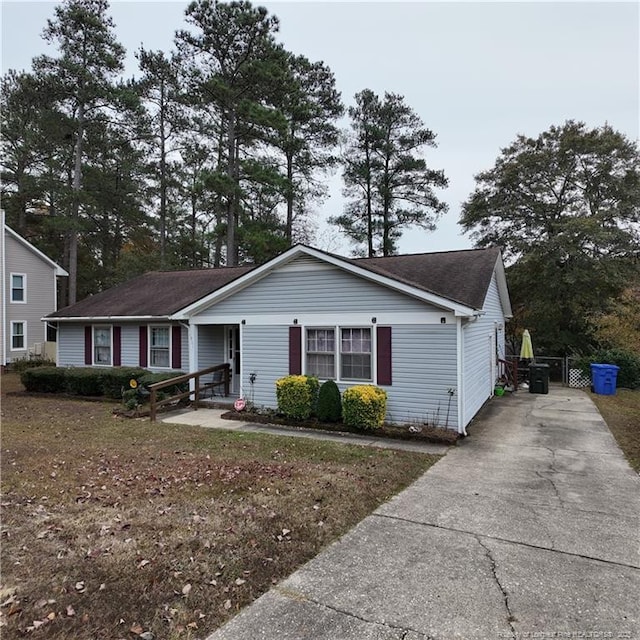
(622,414)
(113,526)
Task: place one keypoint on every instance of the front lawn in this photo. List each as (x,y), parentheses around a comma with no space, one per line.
(622,413)
(112,528)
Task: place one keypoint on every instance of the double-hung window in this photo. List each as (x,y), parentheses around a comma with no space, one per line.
(348,358)
(102,346)
(18,287)
(18,337)
(355,354)
(159,347)
(321,353)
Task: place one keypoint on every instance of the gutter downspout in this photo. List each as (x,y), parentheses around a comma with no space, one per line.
(459,363)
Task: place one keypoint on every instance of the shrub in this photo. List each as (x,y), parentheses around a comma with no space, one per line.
(364,406)
(295,396)
(23,364)
(314,388)
(151,378)
(44,380)
(116,380)
(329,402)
(628,361)
(83,381)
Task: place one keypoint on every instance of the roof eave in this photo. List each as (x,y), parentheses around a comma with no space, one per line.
(104,318)
(14,234)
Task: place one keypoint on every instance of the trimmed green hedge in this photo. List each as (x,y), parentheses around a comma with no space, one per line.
(44,380)
(297,396)
(329,402)
(364,406)
(91,381)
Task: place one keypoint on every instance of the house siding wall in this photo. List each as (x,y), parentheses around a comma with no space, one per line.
(210,346)
(423,369)
(71,345)
(40,295)
(302,287)
(480,341)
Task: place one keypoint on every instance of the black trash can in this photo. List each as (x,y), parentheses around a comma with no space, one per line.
(538,378)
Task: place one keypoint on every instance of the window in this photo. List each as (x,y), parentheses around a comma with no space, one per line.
(18,287)
(18,337)
(354,352)
(321,348)
(159,347)
(102,345)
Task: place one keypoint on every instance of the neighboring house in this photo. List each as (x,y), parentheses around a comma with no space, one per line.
(428,328)
(29,292)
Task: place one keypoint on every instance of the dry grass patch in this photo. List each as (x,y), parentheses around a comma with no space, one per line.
(113,528)
(622,414)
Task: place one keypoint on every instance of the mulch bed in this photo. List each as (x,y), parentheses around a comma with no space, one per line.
(426,433)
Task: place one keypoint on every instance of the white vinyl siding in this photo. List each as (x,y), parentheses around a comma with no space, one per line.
(325,289)
(480,340)
(70,345)
(266,354)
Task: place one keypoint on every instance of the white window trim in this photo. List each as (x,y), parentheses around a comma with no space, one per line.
(24,334)
(338,379)
(24,288)
(149,334)
(93,345)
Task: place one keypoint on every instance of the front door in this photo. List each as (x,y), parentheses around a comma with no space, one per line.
(232,333)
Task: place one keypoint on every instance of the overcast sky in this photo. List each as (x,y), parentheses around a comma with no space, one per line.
(477,73)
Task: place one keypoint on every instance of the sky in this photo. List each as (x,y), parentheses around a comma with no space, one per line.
(477,73)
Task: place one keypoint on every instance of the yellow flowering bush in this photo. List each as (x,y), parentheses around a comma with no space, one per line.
(364,406)
(297,396)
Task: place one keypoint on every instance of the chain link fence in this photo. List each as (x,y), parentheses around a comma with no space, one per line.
(561,369)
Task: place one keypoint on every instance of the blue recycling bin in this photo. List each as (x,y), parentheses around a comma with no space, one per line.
(604,378)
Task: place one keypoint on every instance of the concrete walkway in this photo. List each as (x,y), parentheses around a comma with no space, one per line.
(211,419)
(530,526)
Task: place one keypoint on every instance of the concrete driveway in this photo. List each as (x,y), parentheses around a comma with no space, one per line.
(529,529)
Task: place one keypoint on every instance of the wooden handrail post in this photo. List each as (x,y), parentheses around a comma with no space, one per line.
(196,395)
(152,408)
(227,372)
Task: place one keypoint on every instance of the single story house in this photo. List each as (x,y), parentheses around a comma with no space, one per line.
(28,291)
(428,328)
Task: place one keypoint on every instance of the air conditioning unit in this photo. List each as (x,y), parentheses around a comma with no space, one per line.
(37,348)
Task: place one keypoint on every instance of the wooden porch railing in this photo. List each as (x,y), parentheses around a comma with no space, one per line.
(223,381)
(509,371)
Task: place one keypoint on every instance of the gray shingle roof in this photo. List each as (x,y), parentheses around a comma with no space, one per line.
(459,276)
(157,293)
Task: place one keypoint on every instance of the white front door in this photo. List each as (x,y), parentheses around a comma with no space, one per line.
(232,347)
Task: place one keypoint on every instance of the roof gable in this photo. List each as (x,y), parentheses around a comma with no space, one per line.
(59,271)
(455,280)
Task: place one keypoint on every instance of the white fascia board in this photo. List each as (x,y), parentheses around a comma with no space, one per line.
(107,319)
(387,318)
(58,269)
(294,252)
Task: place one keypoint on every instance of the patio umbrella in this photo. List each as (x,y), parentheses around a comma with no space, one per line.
(526,350)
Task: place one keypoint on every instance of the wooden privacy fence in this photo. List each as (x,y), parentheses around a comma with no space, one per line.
(220,377)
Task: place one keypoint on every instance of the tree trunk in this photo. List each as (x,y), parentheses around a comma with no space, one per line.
(289,228)
(163,179)
(75,208)
(231,199)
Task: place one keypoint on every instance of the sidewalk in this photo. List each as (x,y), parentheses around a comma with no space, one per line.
(530,526)
(210,419)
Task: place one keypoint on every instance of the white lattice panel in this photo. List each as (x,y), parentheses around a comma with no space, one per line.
(577,379)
